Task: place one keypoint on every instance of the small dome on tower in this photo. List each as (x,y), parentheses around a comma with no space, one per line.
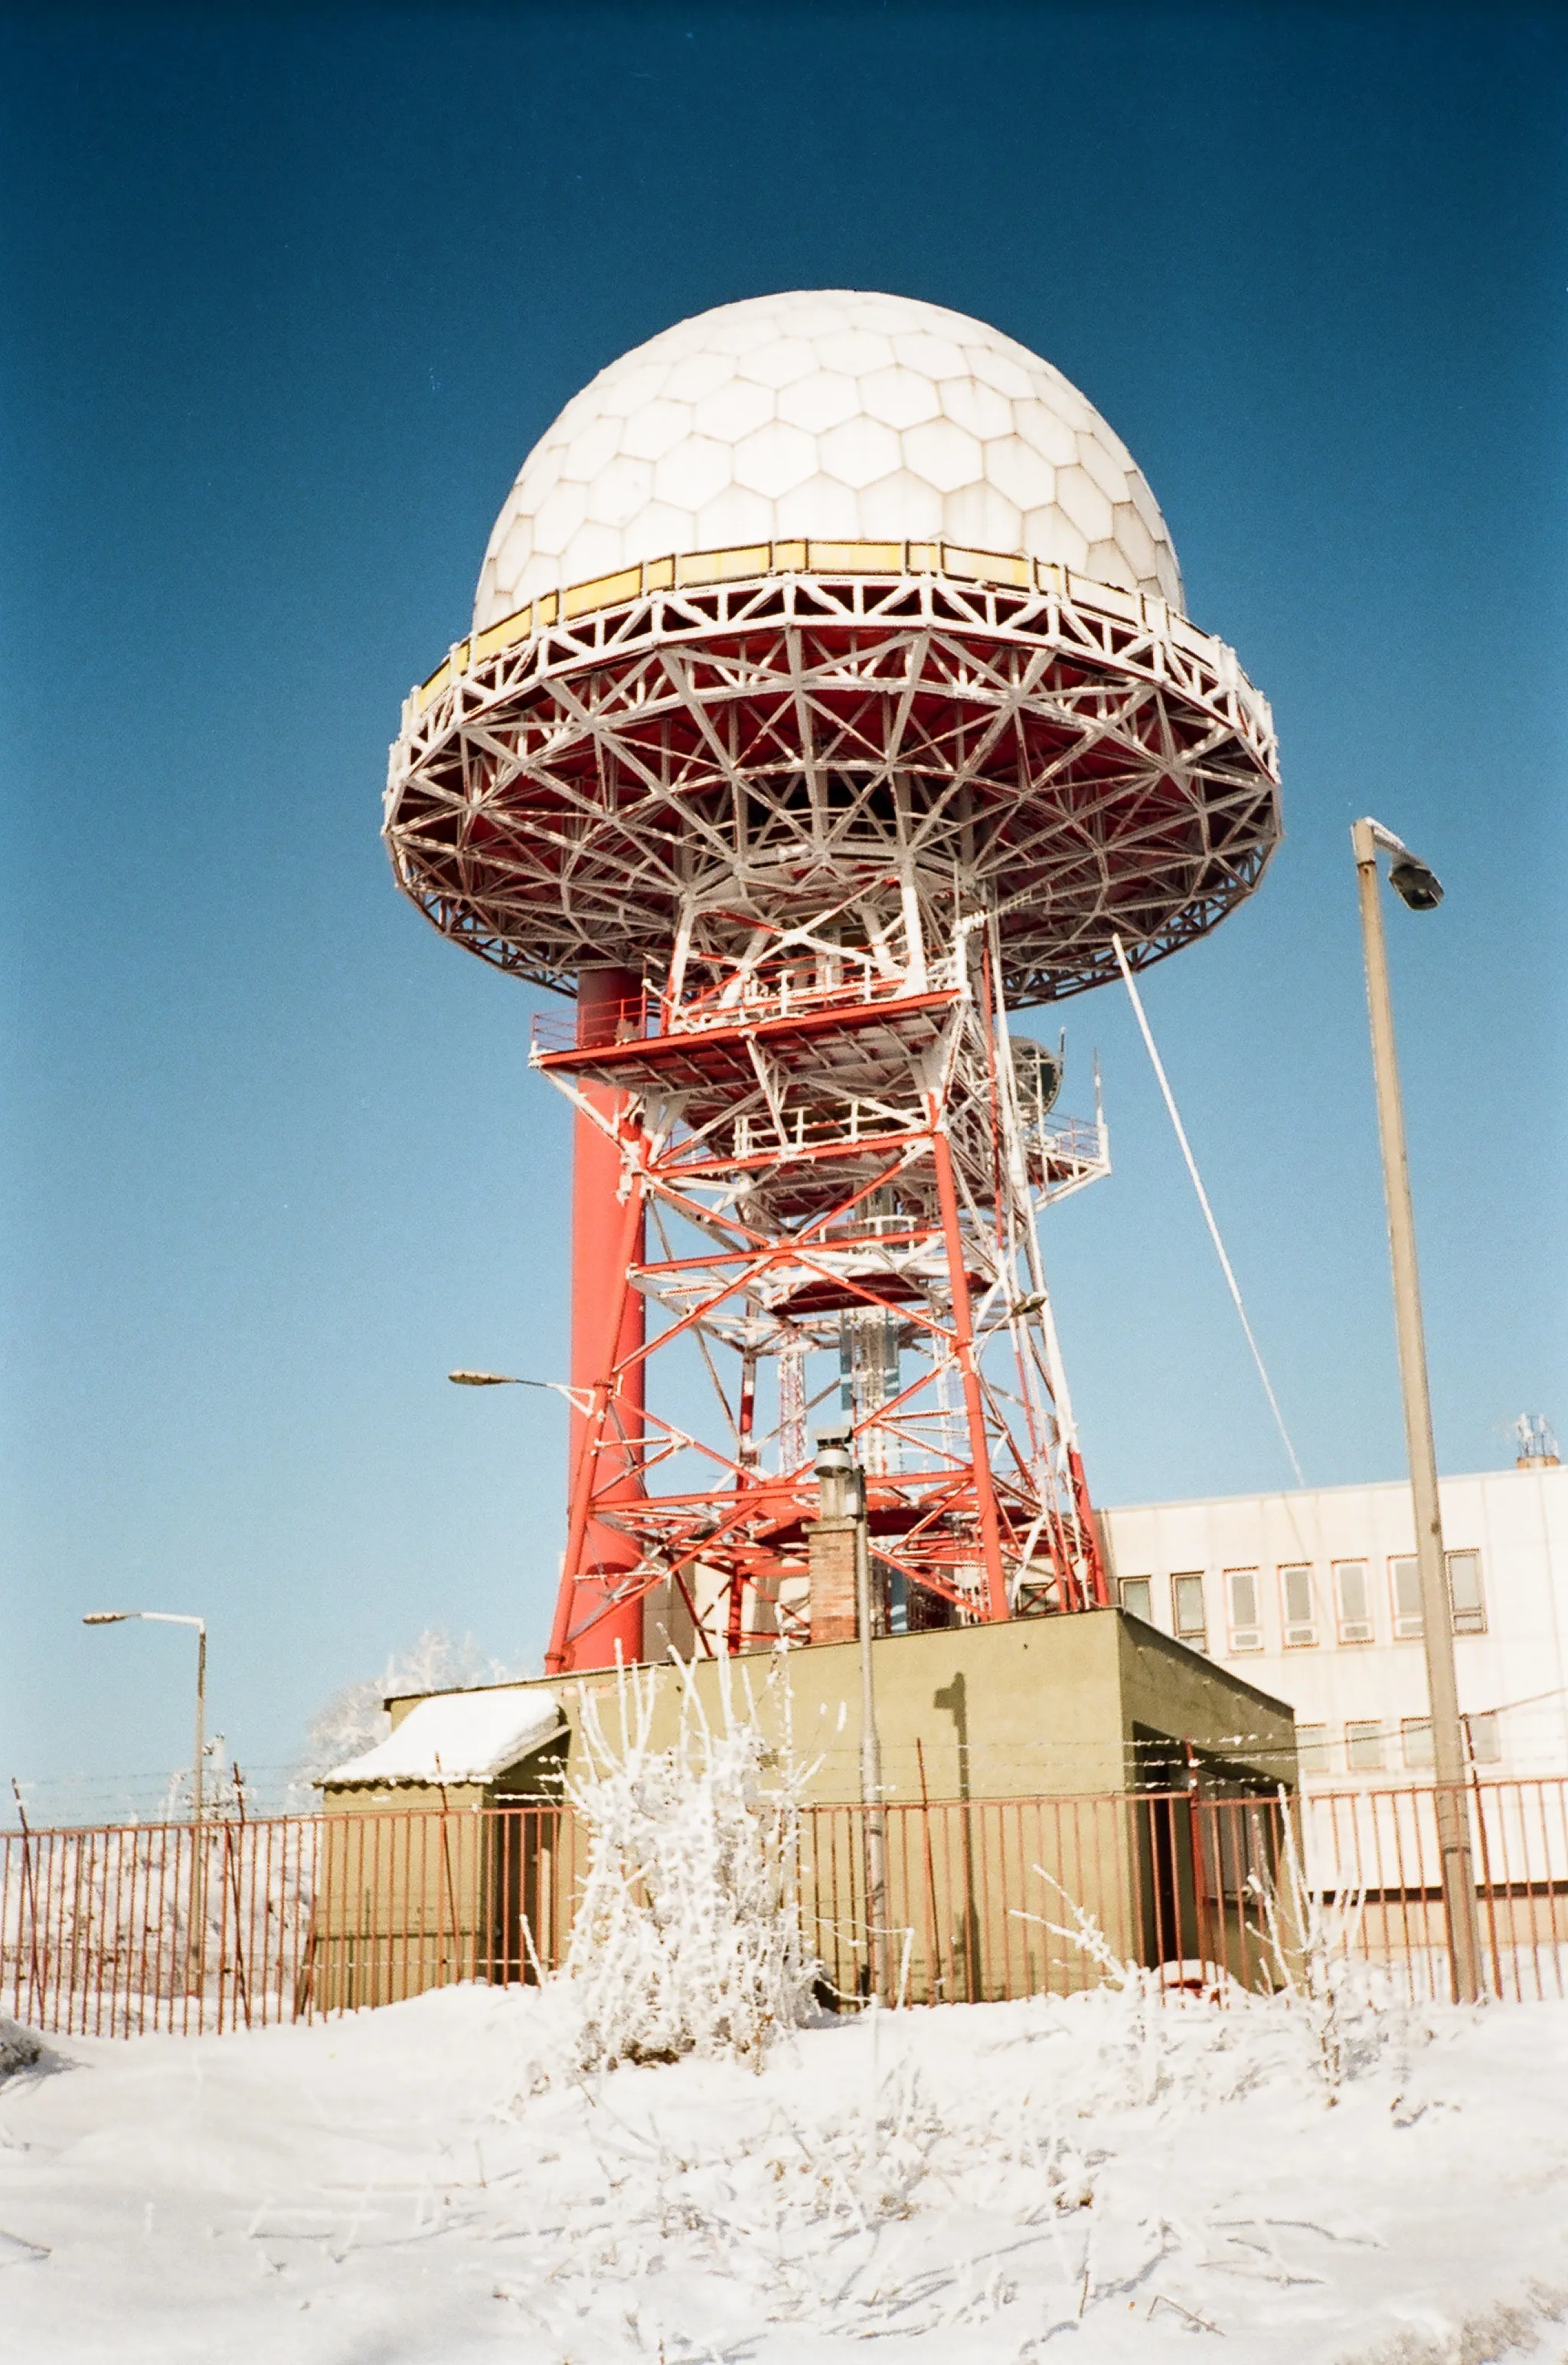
(834,415)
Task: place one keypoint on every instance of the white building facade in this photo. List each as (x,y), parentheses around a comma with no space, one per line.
(1314,1596)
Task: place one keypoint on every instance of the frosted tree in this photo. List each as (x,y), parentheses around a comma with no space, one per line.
(688,1933)
(353,1720)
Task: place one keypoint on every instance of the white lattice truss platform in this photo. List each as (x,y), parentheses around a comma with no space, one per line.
(653,781)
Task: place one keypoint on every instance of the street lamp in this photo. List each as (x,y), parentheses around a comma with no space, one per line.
(1418,887)
(171,1618)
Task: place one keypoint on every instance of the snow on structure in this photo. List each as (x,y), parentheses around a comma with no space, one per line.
(457,1737)
(836,414)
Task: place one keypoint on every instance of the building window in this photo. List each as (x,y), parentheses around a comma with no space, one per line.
(1405,1581)
(1311,1749)
(1416,1738)
(1465,1593)
(1353,1596)
(1300,1619)
(1138,1597)
(1364,1748)
(1468,1610)
(1187,1601)
(1246,1630)
(1485,1742)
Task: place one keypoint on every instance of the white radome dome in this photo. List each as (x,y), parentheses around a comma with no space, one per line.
(831,414)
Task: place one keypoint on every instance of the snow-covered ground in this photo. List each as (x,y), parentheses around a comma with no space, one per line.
(1091,2178)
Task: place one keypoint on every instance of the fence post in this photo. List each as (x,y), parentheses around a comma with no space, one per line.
(29,1906)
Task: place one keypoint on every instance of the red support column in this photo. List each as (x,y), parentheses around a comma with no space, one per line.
(609,1323)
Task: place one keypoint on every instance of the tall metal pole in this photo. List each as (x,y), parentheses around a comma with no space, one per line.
(842,1485)
(198,1950)
(200,1727)
(1436,1623)
(871,1760)
(195,1944)
(174,1618)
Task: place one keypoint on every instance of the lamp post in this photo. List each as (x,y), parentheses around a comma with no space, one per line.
(842,1483)
(171,1618)
(1418,887)
(195,1949)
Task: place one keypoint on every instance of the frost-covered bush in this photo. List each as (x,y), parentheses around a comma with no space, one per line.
(1330,2012)
(688,1936)
(1353,2015)
(20,2048)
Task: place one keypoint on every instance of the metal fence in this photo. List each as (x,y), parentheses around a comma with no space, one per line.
(237,1924)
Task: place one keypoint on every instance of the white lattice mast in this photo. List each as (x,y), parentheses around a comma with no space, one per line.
(800,812)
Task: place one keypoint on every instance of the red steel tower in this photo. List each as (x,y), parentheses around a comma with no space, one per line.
(802,795)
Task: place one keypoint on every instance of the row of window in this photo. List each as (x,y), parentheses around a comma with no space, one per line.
(1373,1747)
(1346,1612)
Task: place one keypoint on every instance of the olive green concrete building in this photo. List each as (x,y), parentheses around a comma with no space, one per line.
(1028,1768)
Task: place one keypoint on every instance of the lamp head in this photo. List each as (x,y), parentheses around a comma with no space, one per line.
(106,1617)
(481,1379)
(837,1474)
(833,1448)
(1413,883)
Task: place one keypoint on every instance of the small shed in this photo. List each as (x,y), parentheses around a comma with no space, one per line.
(457,1749)
(420,1881)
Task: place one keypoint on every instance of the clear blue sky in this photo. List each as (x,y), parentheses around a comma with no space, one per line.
(286,297)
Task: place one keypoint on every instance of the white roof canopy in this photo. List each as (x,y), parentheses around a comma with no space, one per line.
(457,1737)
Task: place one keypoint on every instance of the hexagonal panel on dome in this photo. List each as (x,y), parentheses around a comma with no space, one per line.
(983,519)
(780,363)
(824,506)
(620,490)
(971,404)
(1085,503)
(900,508)
(659,427)
(695,472)
(736,409)
(859,451)
(832,413)
(826,398)
(775,459)
(901,398)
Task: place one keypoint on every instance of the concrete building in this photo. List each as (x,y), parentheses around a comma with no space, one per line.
(1313,1596)
(1040,1707)
(1031,1740)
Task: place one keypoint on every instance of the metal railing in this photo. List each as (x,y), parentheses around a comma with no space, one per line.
(171,1927)
(801,988)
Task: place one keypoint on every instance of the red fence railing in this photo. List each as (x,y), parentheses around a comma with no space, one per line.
(134,1928)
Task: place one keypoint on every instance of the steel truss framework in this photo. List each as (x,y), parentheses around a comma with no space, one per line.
(837,823)
(847,1166)
(655,783)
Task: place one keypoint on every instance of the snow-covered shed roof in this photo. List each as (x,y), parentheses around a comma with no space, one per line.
(457,1737)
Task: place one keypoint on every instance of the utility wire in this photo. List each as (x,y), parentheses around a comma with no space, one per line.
(1208,1212)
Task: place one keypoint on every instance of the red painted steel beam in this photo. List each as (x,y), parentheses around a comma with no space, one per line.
(608,1332)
